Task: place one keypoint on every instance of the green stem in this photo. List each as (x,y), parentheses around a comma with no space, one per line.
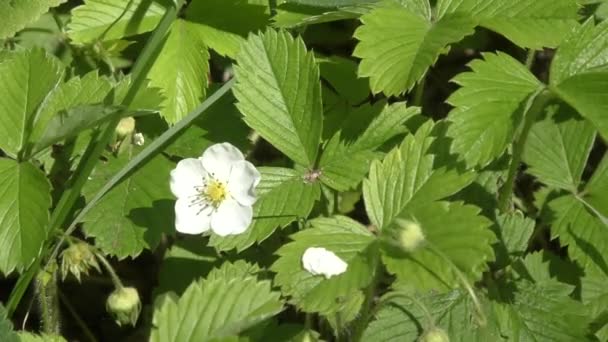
(481,317)
(367,307)
(91,156)
(85,329)
(48,301)
(530,58)
(535,106)
(106,264)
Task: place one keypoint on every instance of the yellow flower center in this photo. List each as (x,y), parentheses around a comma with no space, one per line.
(216,192)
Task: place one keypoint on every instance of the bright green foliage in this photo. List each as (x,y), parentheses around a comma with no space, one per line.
(27,76)
(28,337)
(113,19)
(543,312)
(135,214)
(347,156)
(180,70)
(586,93)
(515,231)
(596,193)
(451,230)
(6,327)
(528,23)
(283,197)
(349,310)
(236,270)
(293,15)
(77,91)
(341,74)
(24,203)
(17,14)
(398,44)
(407,175)
(488,107)
(594,295)
(330,3)
(279,93)
(222,35)
(401,319)
(346,238)
(557,149)
(213,309)
(584,50)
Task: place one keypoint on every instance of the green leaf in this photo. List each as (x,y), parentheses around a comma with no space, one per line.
(330,3)
(594,295)
(283,197)
(6,327)
(294,15)
(557,148)
(528,23)
(588,95)
(341,74)
(279,93)
(596,191)
(213,309)
(397,45)
(113,19)
(577,228)
(458,232)
(180,70)
(233,270)
(350,241)
(186,261)
(407,175)
(18,14)
(226,36)
(89,89)
(347,156)
(488,107)
(584,50)
(27,77)
(25,198)
(515,231)
(135,214)
(401,319)
(29,337)
(544,312)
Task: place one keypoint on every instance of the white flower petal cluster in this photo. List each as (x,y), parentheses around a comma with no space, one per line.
(318,260)
(215,191)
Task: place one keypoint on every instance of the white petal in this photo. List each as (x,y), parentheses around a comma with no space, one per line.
(318,260)
(231,218)
(188,174)
(244,177)
(218,159)
(190,219)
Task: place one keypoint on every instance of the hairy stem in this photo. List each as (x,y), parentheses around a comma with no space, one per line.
(48,300)
(106,264)
(535,106)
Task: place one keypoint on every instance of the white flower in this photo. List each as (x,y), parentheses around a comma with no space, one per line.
(318,260)
(214,191)
(138,139)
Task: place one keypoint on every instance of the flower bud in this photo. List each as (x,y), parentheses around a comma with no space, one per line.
(124,305)
(125,127)
(435,335)
(409,234)
(78,259)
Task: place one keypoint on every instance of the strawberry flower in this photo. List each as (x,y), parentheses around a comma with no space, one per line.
(215,191)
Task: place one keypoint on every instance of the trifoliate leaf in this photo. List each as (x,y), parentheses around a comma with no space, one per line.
(283,197)
(488,107)
(406,175)
(26,77)
(214,309)
(580,230)
(18,14)
(348,240)
(585,49)
(587,94)
(135,214)
(25,198)
(528,23)
(113,19)
(557,148)
(90,89)
(544,312)
(398,44)
(180,70)
(452,231)
(402,319)
(347,156)
(226,36)
(279,93)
